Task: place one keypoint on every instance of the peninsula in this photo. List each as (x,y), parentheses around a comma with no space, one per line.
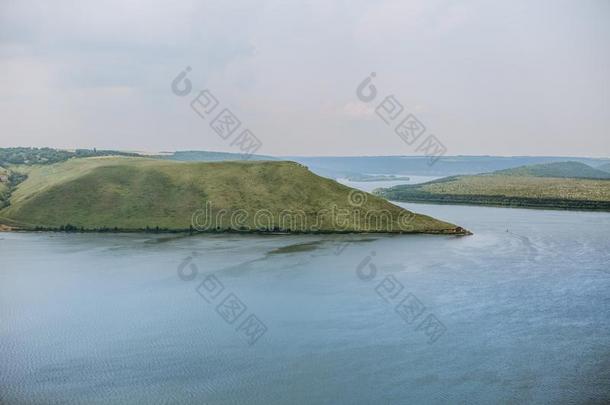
(560,185)
(126,193)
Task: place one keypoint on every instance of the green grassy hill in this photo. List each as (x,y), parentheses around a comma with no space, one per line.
(121,193)
(538,186)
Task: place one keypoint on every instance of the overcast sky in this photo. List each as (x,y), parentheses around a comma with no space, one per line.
(504,78)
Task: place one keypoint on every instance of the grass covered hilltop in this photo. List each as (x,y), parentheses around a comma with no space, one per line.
(562,185)
(138,194)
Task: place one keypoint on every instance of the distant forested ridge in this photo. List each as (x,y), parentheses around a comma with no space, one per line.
(43,156)
(8,183)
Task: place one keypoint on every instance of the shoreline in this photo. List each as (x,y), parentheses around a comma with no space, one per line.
(458,231)
(511,202)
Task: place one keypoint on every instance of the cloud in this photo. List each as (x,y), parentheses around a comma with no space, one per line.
(97,73)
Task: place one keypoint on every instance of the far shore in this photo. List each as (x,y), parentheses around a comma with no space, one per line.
(509,202)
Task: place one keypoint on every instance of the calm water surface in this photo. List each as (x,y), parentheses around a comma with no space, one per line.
(524,304)
(372,185)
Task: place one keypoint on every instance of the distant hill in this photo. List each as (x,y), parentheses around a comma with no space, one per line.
(355,166)
(575,170)
(327,166)
(344,166)
(136,194)
(566,185)
(605,167)
(205,156)
(38,156)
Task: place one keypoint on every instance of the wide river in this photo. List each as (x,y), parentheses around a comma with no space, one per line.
(519,312)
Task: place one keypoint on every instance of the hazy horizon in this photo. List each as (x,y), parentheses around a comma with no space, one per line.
(142,151)
(507,79)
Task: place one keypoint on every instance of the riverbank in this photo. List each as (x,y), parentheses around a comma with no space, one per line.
(507,202)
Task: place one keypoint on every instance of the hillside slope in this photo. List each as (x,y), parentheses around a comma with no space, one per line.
(139,194)
(529,186)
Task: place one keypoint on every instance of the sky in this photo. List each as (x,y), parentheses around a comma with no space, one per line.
(493,78)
